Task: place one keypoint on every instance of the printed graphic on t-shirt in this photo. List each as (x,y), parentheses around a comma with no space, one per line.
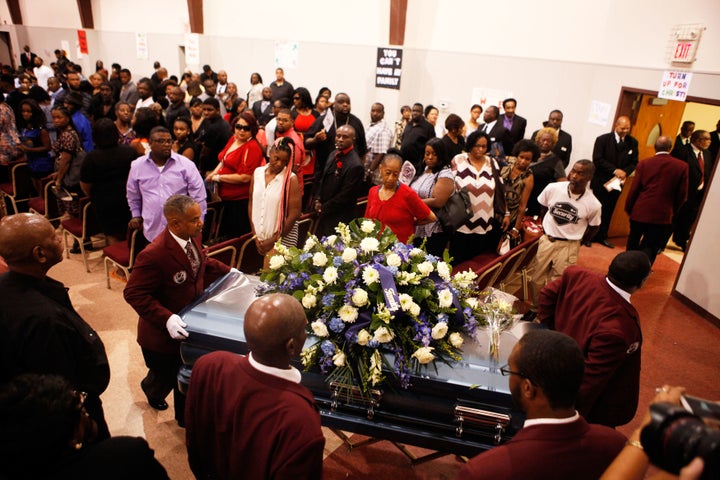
(564,213)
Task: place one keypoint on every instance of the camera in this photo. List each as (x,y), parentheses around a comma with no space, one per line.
(675,436)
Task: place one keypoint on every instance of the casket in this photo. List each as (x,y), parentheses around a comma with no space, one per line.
(463,408)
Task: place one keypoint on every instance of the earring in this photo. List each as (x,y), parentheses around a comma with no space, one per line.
(78,446)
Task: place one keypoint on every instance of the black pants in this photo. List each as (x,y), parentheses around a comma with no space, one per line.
(162,378)
(608,201)
(647,237)
(464,246)
(685,218)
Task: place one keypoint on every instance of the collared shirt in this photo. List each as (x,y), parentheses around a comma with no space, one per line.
(291,375)
(148,187)
(379,137)
(619,290)
(183,243)
(489,126)
(551,421)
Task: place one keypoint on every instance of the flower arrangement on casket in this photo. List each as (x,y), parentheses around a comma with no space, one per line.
(365,293)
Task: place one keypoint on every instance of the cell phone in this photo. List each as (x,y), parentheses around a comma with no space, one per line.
(709,411)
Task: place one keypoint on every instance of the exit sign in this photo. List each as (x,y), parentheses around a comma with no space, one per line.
(685,51)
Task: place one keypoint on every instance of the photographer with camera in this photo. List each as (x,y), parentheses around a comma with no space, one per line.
(671,438)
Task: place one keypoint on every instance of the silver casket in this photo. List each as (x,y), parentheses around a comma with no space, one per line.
(464,408)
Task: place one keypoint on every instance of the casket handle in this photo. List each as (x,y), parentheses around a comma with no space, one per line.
(484,419)
(352,394)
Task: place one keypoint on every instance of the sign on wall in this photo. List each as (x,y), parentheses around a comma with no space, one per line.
(192,49)
(674,85)
(286,54)
(141,46)
(82,42)
(388,70)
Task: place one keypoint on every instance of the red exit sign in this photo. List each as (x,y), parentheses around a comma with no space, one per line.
(684,51)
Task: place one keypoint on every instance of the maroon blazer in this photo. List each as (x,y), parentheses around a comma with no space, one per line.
(658,190)
(582,305)
(162,283)
(574,450)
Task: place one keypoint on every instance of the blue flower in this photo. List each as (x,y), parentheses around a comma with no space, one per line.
(442,317)
(337,261)
(392,270)
(327,347)
(328,299)
(305,256)
(336,325)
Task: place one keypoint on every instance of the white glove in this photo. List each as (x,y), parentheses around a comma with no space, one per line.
(175,327)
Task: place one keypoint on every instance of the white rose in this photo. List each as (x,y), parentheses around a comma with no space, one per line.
(456,340)
(360,297)
(319,328)
(383,335)
(363,337)
(319,259)
(339,359)
(281,249)
(309,301)
(369,244)
(445,297)
(415,252)
(348,313)
(349,254)
(330,241)
(425,268)
(309,243)
(405,301)
(439,330)
(367,226)
(414,309)
(276,261)
(370,275)
(330,275)
(393,260)
(472,302)
(424,354)
(443,270)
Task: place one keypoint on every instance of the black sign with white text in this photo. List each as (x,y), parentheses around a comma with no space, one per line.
(389,68)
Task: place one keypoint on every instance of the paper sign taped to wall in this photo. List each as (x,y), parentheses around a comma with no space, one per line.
(599,113)
(192,49)
(286,54)
(489,96)
(141,45)
(674,85)
(82,42)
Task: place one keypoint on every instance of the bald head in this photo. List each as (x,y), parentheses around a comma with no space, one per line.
(28,243)
(663,144)
(275,329)
(622,126)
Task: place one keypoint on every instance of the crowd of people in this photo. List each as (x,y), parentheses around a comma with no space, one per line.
(152,154)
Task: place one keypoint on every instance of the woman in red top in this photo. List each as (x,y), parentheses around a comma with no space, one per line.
(394,204)
(238,160)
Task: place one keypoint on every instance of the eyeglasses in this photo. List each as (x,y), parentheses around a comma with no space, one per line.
(163,141)
(506,372)
(245,128)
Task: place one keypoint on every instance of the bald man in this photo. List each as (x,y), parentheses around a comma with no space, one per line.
(249,417)
(40,331)
(615,154)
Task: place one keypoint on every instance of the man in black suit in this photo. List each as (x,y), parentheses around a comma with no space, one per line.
(338,188)
(495,130)
(514,124)
(683,137)
(700,163)
(27,58)
(715,142)
(615,154)
(416,134)
(262,109)
(563,147)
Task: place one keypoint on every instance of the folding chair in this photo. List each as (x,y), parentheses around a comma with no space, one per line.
(250,261)
(121,255)
(81,229)
(19,187)
(45,205)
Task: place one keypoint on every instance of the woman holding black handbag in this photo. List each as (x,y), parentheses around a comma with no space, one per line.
(434,186)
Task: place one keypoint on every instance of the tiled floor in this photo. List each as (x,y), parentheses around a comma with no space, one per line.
(679,348)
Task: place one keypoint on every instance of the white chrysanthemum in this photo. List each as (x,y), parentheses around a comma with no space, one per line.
(276,261)
(330,241)
(443,270)
(319,328)
(445,298)
(360,297)
(363,337)
(348,313)
(309,301)
(383,335)
(456,340)
(405,301)
(330,275)
(426,268)
(472,302)
(309,243)
(414,309)
(319,259)
(416,252)
(439,330)
(367,226)
(369,244)
(370,276)
(424,354)
(393,260)
(339,359)
(349,255)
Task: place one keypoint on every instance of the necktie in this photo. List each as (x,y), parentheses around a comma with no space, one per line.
(194,262)
(701,163)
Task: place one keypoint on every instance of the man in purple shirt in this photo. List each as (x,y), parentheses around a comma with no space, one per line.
(154,178)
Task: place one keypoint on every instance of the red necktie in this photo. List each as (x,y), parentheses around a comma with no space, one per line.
(701,163)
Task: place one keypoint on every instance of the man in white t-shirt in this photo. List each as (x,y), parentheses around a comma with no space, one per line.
(42,73)
(571,215)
